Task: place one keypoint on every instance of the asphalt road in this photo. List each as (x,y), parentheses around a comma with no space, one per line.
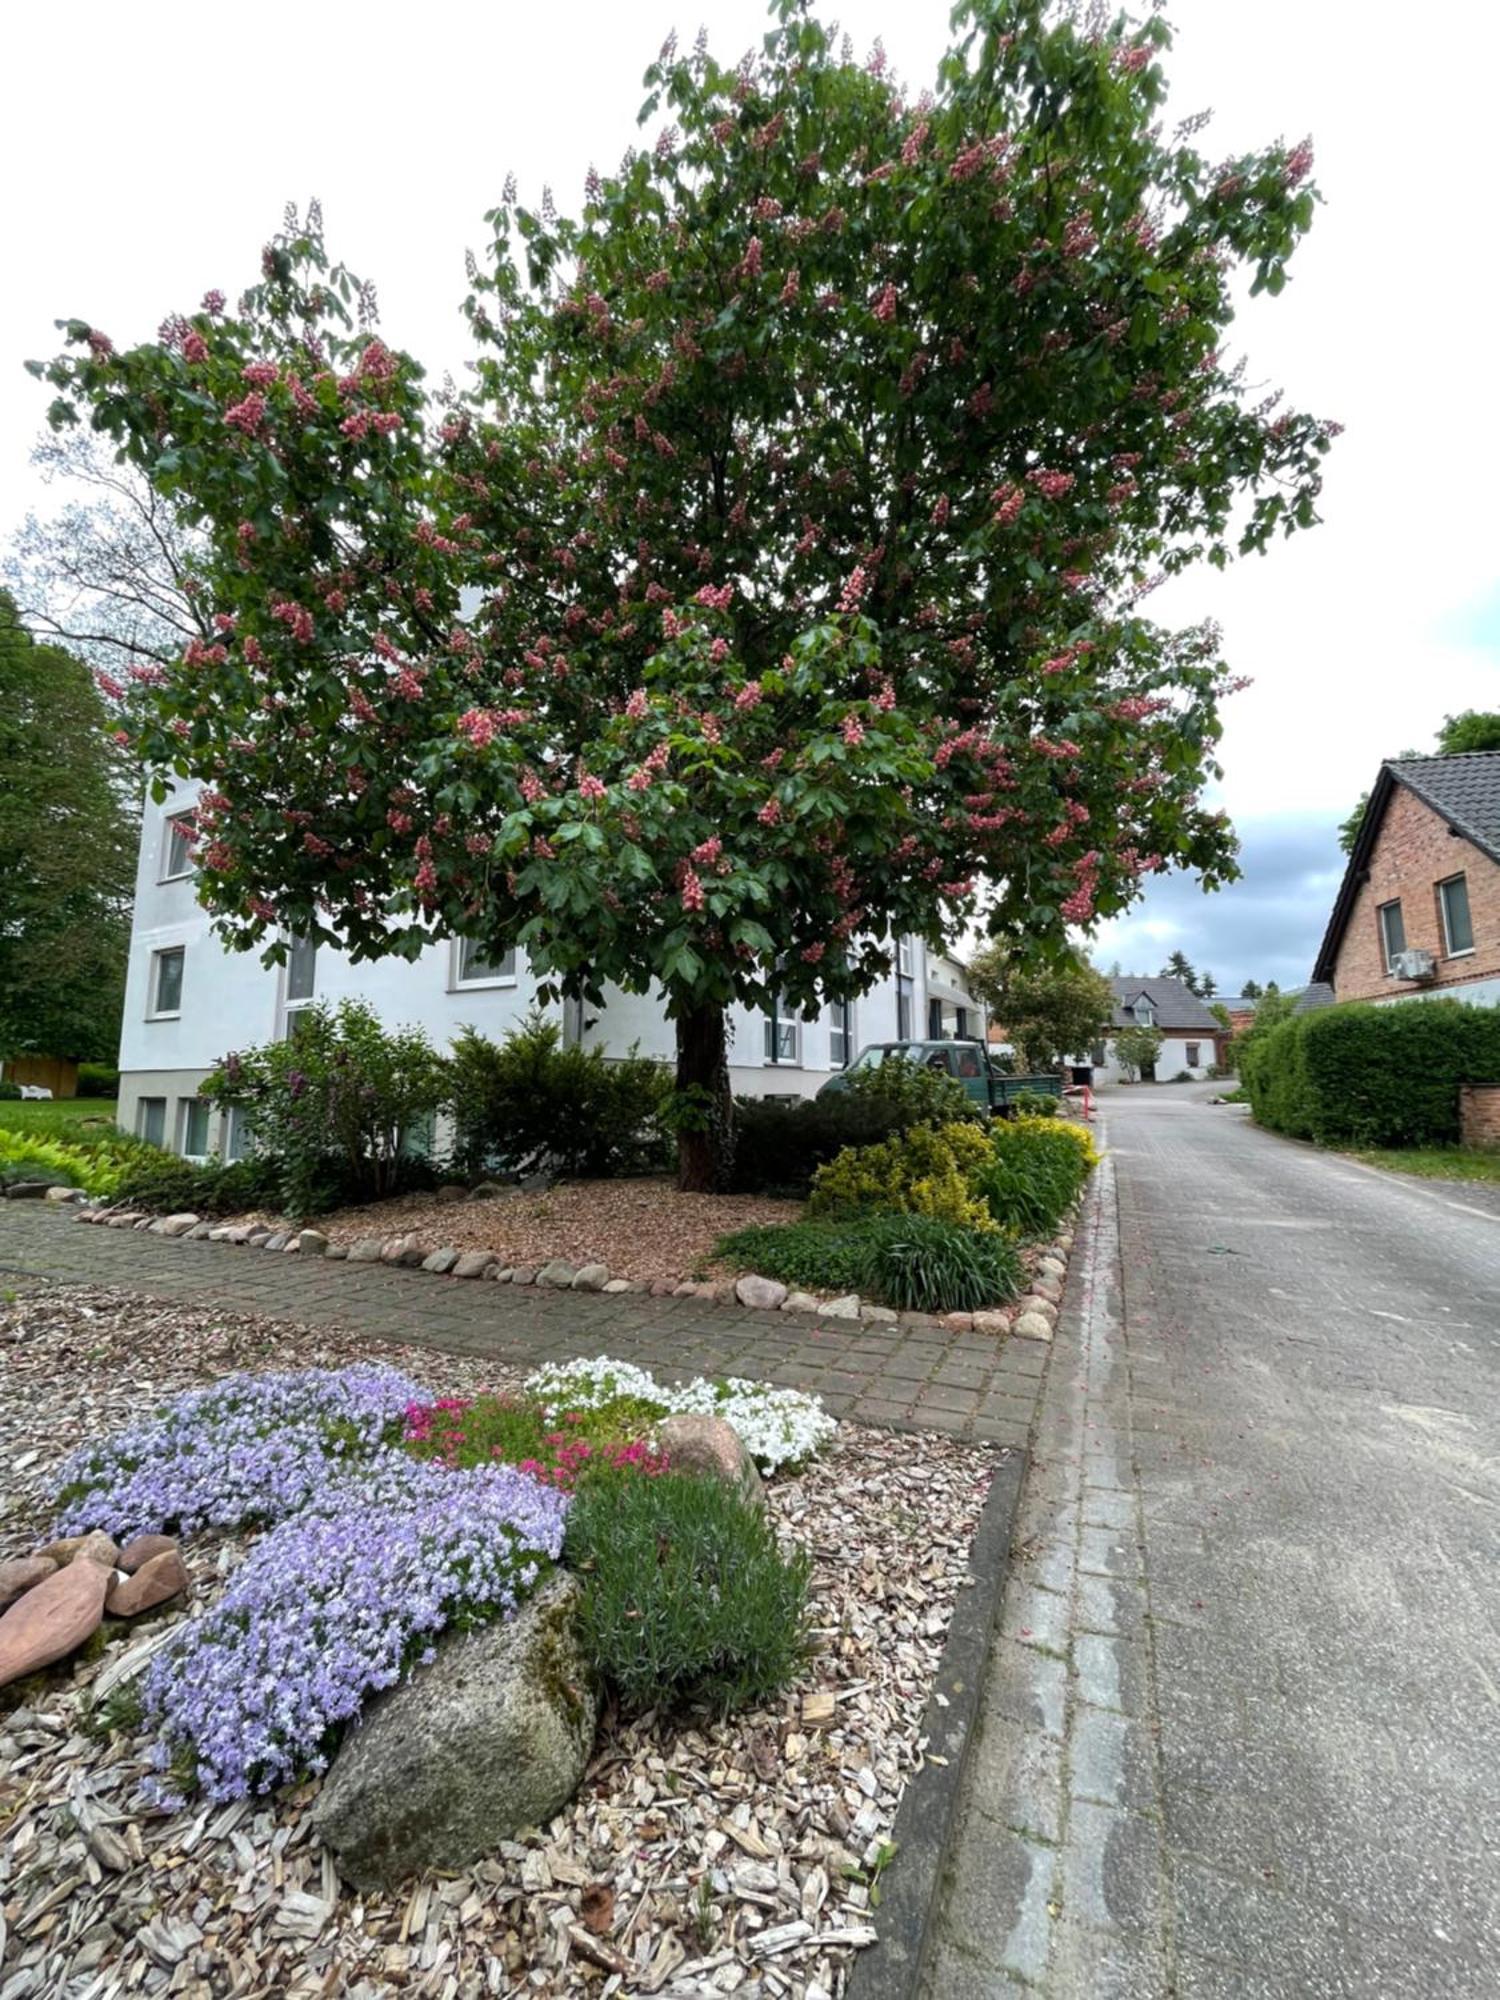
(1242,1733)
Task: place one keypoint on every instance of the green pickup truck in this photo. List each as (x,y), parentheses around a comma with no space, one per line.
(968,1062)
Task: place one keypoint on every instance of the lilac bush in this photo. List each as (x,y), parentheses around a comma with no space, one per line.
(251,1450)
(336,1604)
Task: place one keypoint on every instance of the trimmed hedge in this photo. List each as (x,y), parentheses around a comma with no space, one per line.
(1372,1075)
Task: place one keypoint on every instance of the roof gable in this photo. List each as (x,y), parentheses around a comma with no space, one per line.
(1463,790)
(1175,1008)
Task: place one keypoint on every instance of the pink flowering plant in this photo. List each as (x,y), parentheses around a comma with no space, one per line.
(561,1450)
(778,584)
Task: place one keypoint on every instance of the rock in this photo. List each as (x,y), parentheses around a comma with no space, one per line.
(959,1322)
(765,1294)
(558,1273)
(1047,1288)
(501,1274)
(240,1233)
(60,1194)
(394,1248)
(709,1445)
(993,1323)
(523,1274)
(846,1307)
(799,1302)
(199,1233)
(1035,1303)
(493,1736)
(126,1219)
(312,1242)
(663,1288)
(365,1251)
(27,1190)
(591,1278)
(1031,1326)
(338,1252)
(474,1264)
(23,1573)
(157,1579)
(221,1232)
(452,1191)
(277,1240)
(142,1549)
(175,1225)
(258,1236)
(99,1548)
(441,1262)
(486,1191)
(53,1618)
(1053,1267)
(879,1315)
(63,1551)
(617,1285)
(687,1289)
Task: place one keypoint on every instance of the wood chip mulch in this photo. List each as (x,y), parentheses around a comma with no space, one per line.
(642,1229)
(698,1858)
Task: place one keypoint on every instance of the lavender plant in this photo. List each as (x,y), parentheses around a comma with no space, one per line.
(249,1451)
(336,1604)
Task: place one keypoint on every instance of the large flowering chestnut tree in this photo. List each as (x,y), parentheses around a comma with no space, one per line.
(774,586)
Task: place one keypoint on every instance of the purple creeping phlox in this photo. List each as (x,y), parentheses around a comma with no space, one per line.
(333,1606)
(250,1450)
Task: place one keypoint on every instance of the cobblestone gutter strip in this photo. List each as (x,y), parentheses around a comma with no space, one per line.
(911,1888)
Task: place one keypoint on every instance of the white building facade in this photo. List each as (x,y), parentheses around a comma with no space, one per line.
(189,1002)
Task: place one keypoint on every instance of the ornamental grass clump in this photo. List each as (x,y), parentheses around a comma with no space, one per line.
(1036,1169)
(336,1604)
(777,1426)
(920,1263)
(249,1451)
(687,1597)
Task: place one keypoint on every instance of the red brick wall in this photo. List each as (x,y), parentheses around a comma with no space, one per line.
(1414,852)
(1479,1114)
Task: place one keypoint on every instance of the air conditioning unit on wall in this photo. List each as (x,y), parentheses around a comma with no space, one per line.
(1414,964)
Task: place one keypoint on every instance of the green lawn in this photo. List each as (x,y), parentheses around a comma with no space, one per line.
(55,1117)
(1438,1163)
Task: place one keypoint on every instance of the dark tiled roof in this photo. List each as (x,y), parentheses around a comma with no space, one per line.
(1175,1007)
(1319,994)
(1464,790)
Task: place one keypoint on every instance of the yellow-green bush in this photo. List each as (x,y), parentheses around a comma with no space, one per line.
(1035,1170)
(926,1171)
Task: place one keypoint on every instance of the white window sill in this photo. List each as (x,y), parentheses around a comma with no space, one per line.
(1467,952)
(186,875)
(175,1015)
(483,985)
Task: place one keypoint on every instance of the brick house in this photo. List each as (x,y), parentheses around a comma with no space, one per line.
(1418,913)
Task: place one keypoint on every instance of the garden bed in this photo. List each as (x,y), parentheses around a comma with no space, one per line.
(641,1229)
(727,1857)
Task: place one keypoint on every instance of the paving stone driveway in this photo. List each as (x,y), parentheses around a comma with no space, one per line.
(1240,1737)
(965,1384)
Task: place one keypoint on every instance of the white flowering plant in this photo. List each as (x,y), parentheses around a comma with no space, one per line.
(777,1426)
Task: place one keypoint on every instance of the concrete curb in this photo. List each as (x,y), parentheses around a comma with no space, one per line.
(911,1888)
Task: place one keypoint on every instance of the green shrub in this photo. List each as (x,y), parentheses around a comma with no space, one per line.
(1372,1075)
(527,1101)
(174,1186)
(98,1080)
(339,1107)
(917,1094)
(686,1596)
(779,1144)
(1035,1171)
(915,1262)
(1035,1104)
(925,1171)
(95,1162)
(10,1093)
(922,1264)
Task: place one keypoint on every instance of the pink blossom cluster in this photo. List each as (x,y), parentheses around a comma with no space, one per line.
(718,599)
(249,415)
(855,586)
(296,618)
(1051,485)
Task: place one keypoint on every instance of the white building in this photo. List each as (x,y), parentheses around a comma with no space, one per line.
(189,1001)
(1190,1033)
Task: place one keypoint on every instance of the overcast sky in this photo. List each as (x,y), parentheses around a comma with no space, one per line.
(146,154)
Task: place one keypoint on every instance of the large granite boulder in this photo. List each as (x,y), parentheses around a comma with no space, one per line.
(710,1446)
(493,1736)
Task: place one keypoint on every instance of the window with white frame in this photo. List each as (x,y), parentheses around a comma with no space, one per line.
(1458,927)
(301,981)
(177,855)
(780,1033)
(1392,932)
(1192,1055)
(840,1033)
(151,1120)
(165,997)
(193,1117)
(1144,1013)
(905,989)
(472,968)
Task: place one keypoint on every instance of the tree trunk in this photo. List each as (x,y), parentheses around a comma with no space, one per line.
(705,1137)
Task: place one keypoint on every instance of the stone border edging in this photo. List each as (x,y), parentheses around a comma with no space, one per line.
(911,1888)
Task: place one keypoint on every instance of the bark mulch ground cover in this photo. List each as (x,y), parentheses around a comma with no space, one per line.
(698,1857)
